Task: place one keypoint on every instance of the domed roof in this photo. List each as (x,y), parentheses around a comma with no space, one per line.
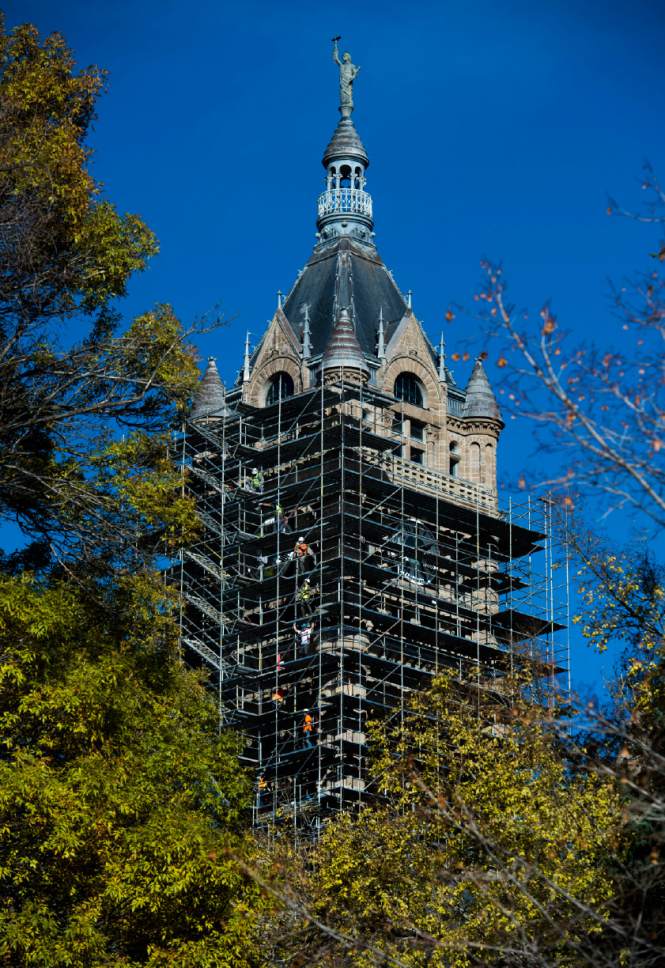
(345,143)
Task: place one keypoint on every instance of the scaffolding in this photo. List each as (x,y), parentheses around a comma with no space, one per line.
(333,578)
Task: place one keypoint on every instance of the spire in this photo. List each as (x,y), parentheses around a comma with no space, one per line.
(409,299)
(442,359)
(245,365)
(343,351)
(306,336)
(210,398)
(480,399)
(381,347)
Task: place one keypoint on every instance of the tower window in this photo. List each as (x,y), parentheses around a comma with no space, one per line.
(417,431)
(454,459)
(476,464)
(345,172)
(409,389)
(280,386)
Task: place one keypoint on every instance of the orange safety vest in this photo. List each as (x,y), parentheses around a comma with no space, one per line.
(307,725)
(263,783)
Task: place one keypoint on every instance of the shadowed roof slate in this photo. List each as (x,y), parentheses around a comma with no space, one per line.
(371,288)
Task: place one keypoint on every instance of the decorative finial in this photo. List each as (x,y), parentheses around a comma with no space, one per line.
(245,368)
(442,359)
(347,75)
(280,294)
(409,299)
(381,348)
(306,336)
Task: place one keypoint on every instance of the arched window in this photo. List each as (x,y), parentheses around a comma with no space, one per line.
(454,459)
(488,466)
(280,386)
(476,466)
(345,172)
(409,389)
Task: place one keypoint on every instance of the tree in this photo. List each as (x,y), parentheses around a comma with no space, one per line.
(602,409)
(624,601)
(121,807)
(600,412)
(77,394)
(488,849)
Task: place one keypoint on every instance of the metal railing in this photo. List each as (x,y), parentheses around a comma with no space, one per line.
(352,201)
(436,482)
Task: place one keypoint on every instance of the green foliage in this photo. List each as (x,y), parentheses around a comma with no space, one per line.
(121,808)
(489,850)
(47,111)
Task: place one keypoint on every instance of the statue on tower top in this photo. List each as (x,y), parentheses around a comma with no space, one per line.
(347,75)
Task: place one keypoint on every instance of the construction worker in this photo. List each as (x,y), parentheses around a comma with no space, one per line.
(308,728)
(305,595)
(281,519)
(301,547)
(304,555)
(261,791)
(278,696)
(303,634)
(256,480)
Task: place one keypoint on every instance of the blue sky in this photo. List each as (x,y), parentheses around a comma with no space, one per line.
(494,129)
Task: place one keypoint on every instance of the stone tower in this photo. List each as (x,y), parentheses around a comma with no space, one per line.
(352,541)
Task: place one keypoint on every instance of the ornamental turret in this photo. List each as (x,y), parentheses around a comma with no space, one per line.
(480,400)
(210,399)
(345,208)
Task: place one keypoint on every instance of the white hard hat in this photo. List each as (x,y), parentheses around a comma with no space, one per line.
(301,538)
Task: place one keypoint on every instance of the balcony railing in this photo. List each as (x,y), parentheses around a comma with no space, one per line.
(435,482)
(351,201)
